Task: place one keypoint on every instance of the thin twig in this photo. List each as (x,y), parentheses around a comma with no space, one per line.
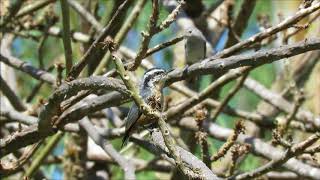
(126,165)
(16,63)
(13,9)
(32,7)
(279,102)
(16,116)
(291,152)
(85,14)
(127,25)
(37,87)
(228,97)
(176,111)
(40,50)
(171,17)
(239,128)
(18,165)
(66,35)
(297,30)
(297,104)
(240,22)
(146,36)
(154,29)
(77,68)
(212,8)
(42,154)
(237,151)
(268,32)
(159,47)
(11,95)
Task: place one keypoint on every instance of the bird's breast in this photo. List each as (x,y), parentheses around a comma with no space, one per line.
(154,101)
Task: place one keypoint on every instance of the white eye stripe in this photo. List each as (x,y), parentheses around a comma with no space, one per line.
(152,76)
(152,72)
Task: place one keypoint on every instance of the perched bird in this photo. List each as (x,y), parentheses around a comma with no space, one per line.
(194,50)
(151,92)
(195,46)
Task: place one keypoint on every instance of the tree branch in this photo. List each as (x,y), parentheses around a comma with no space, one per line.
(208,66)
(66,34)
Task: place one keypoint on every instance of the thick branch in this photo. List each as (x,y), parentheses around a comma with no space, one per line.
(13,115)
(65,91)
(32,135)
(158,148)
(254,60)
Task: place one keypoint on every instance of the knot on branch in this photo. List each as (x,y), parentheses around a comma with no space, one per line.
(110,44)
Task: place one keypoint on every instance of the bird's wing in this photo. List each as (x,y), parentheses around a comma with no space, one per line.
(132,118)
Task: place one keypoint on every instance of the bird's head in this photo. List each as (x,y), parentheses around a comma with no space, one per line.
(193,32)
(154,78)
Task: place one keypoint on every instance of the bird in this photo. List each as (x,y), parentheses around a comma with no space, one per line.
(195,51)
(195,45)
(151,92)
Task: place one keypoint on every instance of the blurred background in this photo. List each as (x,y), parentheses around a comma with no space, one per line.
(32,44)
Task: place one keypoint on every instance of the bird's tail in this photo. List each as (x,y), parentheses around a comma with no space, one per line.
(125,139)
(127,135)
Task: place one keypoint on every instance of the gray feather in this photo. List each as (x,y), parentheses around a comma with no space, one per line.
(132,118)
(195,46)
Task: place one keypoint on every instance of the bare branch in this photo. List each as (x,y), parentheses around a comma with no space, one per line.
(18,165)
(255,59)
(77,68)
(16,63)
(281,103)
(85,14)
(259,147)
(11,95)
(32,7)
(289,153)
(52,108)
(268,32)
(125,164)
(66,34)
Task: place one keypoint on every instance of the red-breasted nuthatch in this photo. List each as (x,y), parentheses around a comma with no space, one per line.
(151,92)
